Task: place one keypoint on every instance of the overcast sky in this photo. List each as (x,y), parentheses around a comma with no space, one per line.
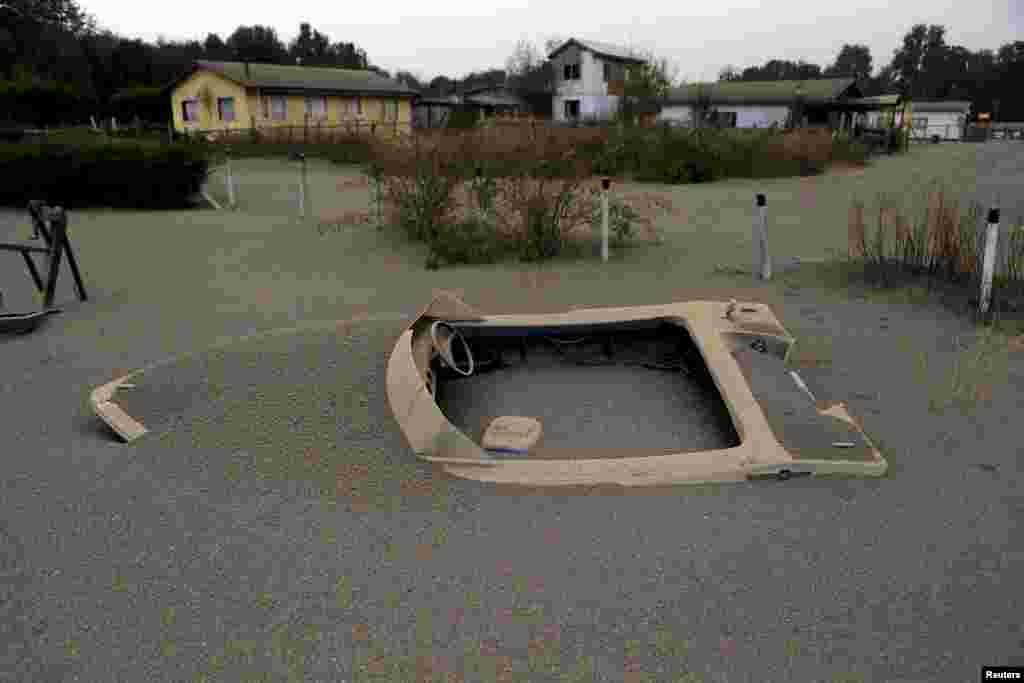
(454,37)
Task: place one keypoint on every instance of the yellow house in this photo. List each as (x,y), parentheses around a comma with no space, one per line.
(216,96)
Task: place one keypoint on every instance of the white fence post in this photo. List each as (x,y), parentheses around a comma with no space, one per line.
(605,184)
(988,265)
(301,156)
(762,260)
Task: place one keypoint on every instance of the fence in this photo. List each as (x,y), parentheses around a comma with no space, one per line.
(313,133)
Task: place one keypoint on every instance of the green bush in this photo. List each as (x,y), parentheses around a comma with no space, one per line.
(148,103)
(42,103)
(470,241)
(542,239)
(422,202)
(462,118)
(254,145)
(116,175)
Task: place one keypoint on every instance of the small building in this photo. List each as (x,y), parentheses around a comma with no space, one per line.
(486,102)
(880,111)
(497,101)
(762,104)
(947,119)
(238,95)
(590,79)
(433,111)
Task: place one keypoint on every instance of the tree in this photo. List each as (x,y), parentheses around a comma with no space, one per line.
(528,71)
(65,15)
(257,44)
(311,47)
(489,78)
(652,79)
(853,61)
(781,70)
(524,58)
(441,86)
(348,56)
(730,73)
(215,49)
(923,47)
(410,80)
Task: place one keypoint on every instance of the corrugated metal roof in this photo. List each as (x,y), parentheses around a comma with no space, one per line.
(603,49)
(958,106)
(817,90)
(287,77)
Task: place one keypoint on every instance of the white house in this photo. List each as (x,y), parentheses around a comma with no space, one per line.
(762,104)
(590,79)
(946,119)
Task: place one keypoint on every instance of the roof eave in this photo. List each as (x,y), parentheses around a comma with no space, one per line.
(617,58)
(572,41)
(272,87)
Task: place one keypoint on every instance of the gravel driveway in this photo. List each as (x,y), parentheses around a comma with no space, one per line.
(172,559)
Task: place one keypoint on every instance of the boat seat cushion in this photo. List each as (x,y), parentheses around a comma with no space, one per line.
(512,434)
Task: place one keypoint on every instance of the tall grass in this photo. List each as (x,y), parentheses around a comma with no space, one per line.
(941,242)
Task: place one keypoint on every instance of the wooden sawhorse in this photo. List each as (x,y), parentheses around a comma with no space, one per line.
(57,244)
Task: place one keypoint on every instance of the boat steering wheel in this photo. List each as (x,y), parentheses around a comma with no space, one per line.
(444,349)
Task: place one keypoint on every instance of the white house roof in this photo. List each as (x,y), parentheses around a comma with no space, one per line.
(603,49)
(958,106)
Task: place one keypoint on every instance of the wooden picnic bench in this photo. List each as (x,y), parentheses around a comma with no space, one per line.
(52,225)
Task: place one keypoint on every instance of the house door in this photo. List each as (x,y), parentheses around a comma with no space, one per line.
(572,109)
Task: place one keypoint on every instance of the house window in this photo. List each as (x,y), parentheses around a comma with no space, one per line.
(266,107)
(226,108)
(572,109)
(391,110)
(571,72)
(607,71)
(316,107)
(278,108)
(190,110)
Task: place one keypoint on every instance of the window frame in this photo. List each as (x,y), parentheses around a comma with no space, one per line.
(566,105)
(284,107)
(606,70)
(309,109)
(571,72)
(185,110)
(221,111)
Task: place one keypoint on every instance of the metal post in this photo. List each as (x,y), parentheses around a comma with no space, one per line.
(302,187)
(605,184)
(762,260)
(230,180)
(988,265)
(478,179)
